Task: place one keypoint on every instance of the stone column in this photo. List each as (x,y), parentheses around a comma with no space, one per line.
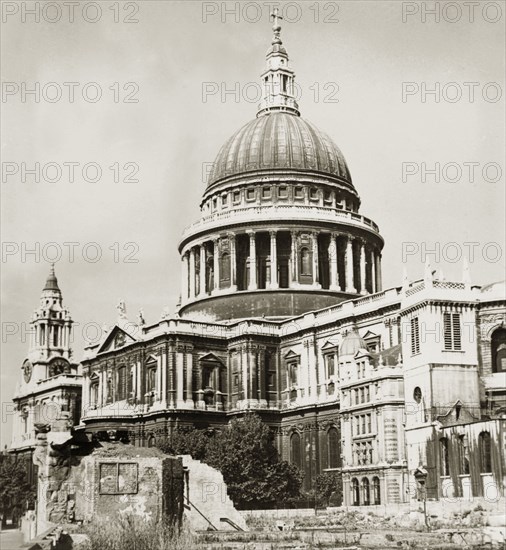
(102,388)
(179,377)
(189,376)
(252,261)
(373,271)
(202,273)
(192,273)
(333,262)
(274,260)
(216,264)
(139,381)
(293,259)
(253,361)
(314,239)
(233,262)
(379,285)
(184,278)
(158,389)
(349,265)
(172,375)
(363,289)
(245,372)
(163,366)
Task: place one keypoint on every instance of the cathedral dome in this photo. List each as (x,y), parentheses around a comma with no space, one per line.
(279,141)
(351,344)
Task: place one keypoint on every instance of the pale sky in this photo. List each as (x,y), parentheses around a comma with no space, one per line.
(364,50)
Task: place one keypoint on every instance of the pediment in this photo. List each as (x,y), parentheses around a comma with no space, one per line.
(116,339)
(362,353)
(210,358)
(328,346)
(290,354)
(369,335)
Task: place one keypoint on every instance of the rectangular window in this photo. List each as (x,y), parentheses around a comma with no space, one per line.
(224,200)
(327,197)
(151,381)
(298,193)
(250,194)
(452,332)
(237,197)
(329,365)
(313,193)
(118,478)
(283,192)
(266,192)
(415,336)
(293,373)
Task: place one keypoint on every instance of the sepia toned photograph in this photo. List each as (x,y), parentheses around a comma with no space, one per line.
(253,275)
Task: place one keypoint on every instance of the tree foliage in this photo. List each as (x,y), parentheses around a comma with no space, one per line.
(329,488)
(192,442)
(15,490)
(245,454)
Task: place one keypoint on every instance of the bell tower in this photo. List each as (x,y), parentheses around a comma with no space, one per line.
(50,385)
(51,326)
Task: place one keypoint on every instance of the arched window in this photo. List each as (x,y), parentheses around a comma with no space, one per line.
(333,447)
(152,441)
(485,453)
(376,493)
(305,261)
(295,454)
(499,350)
(445,462)
(366,491)
(464,454)
(355,492)
(417,395)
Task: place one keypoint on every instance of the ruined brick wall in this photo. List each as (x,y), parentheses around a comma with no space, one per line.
(105,482)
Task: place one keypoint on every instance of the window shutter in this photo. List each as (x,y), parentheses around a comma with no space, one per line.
(457,340)
(415,336)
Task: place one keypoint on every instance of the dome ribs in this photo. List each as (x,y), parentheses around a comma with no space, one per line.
(279,141)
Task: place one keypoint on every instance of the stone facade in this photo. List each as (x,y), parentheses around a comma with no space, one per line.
(283,313)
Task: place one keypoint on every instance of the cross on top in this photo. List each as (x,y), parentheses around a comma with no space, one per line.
(276,17)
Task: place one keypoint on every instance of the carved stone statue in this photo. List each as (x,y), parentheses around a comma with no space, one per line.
(121,307)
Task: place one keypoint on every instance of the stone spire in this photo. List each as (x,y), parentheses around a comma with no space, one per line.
(278,80)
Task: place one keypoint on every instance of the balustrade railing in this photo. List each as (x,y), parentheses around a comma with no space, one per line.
(282,211)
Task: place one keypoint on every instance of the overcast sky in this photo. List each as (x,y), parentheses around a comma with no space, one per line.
(358,53)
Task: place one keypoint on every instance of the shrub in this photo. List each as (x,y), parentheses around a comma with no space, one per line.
(129,532)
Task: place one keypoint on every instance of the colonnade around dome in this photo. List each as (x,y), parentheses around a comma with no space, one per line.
(271,259)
